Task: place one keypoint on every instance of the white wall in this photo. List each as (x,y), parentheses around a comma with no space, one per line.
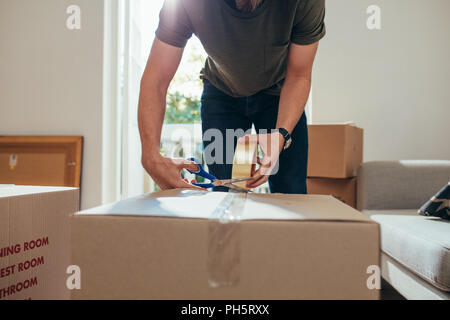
(395,82)
(51,78)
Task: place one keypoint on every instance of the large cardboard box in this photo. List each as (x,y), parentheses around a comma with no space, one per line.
(335,150)
(35,241)
(184,244)
(342,189)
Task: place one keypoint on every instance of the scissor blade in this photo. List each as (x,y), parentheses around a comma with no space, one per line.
(230,184)
(231,181)
(238,189)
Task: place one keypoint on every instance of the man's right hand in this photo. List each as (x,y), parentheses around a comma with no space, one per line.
(162,64)
(166,172)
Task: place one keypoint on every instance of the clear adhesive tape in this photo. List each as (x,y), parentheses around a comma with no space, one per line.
(224,252)
(224,234)
(244,163)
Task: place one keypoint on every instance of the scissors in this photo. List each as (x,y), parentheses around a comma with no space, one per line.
(214,181)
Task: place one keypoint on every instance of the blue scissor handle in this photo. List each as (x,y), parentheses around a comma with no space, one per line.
(204,185)
(202,173)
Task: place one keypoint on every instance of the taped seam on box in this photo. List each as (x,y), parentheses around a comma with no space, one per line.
(224,241)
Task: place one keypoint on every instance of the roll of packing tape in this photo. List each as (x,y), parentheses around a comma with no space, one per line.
(244,163)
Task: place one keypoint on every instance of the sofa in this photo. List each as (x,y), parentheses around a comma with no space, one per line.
(415,257)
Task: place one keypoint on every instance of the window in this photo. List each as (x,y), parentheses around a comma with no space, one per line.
(181,136)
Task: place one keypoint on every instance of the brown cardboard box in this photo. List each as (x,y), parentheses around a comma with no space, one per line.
(35,241)
(335,150)
(167,245)
(342,189)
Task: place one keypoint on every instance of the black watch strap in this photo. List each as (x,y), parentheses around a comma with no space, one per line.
(287,137)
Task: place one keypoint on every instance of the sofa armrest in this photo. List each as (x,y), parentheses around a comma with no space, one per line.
(400,184)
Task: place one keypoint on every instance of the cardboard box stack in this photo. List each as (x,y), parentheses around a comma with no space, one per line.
(35,241)
(335,154)
(187,244)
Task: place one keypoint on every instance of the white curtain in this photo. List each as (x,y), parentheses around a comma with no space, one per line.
(132,68)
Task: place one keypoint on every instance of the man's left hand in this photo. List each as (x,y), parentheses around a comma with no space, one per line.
(271,145)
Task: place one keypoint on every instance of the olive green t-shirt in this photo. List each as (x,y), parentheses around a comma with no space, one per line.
(247,52)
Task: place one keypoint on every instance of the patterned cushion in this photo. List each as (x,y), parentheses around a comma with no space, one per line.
(438,205)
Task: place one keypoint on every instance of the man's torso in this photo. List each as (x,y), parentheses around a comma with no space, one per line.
(247,52)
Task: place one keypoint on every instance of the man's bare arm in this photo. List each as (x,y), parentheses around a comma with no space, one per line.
(297,85)
(161,67)
(294,96)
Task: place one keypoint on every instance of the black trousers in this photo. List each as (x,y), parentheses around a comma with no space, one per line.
(220,112)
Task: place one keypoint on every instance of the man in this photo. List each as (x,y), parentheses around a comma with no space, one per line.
(258,71)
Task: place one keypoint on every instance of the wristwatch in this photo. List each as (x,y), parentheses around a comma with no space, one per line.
(287,137)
